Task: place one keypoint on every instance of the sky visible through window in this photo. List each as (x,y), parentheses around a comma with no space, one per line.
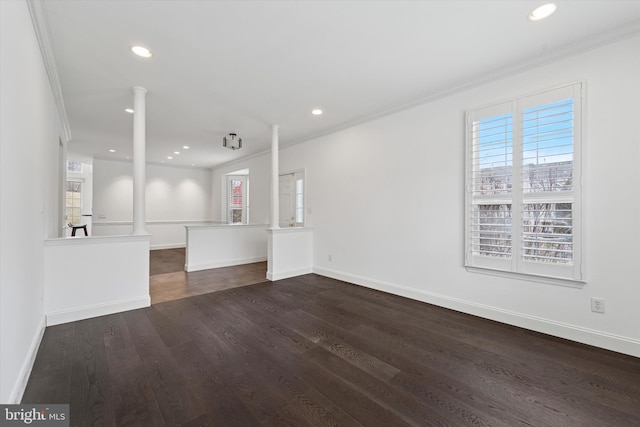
(547,136)
(547,133)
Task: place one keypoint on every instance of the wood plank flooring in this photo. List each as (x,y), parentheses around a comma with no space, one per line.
(169,281)
(163,261)
(312,351)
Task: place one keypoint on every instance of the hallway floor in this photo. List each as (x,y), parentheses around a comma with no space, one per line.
(168,281)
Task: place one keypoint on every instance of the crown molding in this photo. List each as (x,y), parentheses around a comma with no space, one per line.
(587,44)
(41,27)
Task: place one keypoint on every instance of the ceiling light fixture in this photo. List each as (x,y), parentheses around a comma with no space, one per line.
(542,12)
(141,51)
(316,112)
(232,141)
(129,110)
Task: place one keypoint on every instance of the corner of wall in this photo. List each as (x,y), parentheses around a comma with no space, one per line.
(25,370)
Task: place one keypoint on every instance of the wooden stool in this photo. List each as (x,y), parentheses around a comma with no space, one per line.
(76,227)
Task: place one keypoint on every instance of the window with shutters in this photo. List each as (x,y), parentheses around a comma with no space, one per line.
(237,195)
(523,181)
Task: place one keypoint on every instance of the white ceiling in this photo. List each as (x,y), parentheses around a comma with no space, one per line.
(239,66)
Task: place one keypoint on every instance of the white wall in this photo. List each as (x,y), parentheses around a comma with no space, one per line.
(174,196)
(387,201)
(95,276)
(224,245)
(259,188)
(29,140)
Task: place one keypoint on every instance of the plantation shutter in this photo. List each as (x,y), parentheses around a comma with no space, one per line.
(523,185)
(489,233)
(550,182)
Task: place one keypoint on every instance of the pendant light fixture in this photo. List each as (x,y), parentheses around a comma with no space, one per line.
(232,141)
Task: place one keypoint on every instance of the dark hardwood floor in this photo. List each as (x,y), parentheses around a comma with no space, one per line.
(312,351)
(169,281)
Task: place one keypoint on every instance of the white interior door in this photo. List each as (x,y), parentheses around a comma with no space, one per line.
(287,198)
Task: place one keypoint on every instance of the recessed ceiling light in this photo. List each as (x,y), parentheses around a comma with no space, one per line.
(176,152)
(112,150)
(141,51)
(186,147)
(169,157)
(542,12)
(316,112)
(129,110)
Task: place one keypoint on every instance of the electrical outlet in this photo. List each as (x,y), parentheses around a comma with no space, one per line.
(597,305)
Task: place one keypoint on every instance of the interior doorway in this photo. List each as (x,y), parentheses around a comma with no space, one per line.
(291,191)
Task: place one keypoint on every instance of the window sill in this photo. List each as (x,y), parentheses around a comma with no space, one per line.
(569,283)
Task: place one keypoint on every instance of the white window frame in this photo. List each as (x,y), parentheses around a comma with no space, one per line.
(568,274)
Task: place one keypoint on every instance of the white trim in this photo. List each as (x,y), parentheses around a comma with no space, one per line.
(592,337)
(41,28)
(240,261)
(25,370)
(87,240)
(167,246)
(287,274)
(96,310)
(558,281)
(159,222)
(284,230)
(223,225)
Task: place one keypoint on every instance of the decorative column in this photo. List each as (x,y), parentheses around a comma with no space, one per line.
(139,161)
(275,202)
(289,249)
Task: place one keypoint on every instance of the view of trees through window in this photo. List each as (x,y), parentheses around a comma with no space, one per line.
(545,166)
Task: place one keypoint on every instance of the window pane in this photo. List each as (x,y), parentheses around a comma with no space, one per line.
(491,230)
(492,155)
(236,216)
(74,166)
(236,199)
(547,147)
(548,232)
(73,202)
(236,193)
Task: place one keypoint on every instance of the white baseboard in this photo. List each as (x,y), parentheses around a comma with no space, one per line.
(228,263)
(286,274)
(87,312)
(25,370)
(167,246)
(592,337)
